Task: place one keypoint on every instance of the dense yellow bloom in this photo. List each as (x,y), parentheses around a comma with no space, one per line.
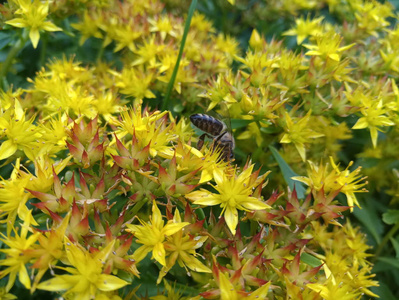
(13,198)
(152,235)
(20,134)
(18,253)
(235,193)
(33,15)
(86,279)
(150,129)
(322,177)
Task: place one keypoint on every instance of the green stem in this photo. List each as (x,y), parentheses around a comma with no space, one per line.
(385,240)
(43,51)
(201,216)
(11,55)
(100,52)
(138,206)
(171,83)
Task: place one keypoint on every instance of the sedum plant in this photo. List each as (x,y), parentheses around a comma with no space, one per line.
(104,194)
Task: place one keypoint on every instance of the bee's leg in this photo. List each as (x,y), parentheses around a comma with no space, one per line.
(201,140)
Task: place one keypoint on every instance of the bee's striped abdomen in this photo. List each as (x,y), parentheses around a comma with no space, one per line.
(207,123)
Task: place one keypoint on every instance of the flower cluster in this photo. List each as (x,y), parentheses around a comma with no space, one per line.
(104,194)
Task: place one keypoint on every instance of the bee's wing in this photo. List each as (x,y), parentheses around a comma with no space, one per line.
(224,116)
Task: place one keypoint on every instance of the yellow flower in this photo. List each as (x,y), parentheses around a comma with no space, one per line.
(235,193)
(299,133)
(327,46)
(88,27)
(33,15)
(181,249)
(152,235)
(86,279)
(374,117)
(305,28)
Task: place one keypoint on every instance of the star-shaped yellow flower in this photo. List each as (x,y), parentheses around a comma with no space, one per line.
(235,193)
(33,15)
(152,235)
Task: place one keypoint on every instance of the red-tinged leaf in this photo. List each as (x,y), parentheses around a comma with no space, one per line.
(57,184)
(125,246)
(172,168)
(188,213)
(102,205)
(164,176)
(63,205)
(196,227)
(100,189)
(97,223)
(96,139)
(108,234)
(235,279)
(85,159)
(215,269)
(212,294)
(145,151)
(83,227)
(76,215)
(254,281)
(183,189)
(284,270)
(83,186)
(273,198)
(171,190)
(56,218)
(75,139)
(42,196)
(121,148)
(133,197)
(121,161)
(43,206)
(295,264)
(235,259)
(97,153)
(69,190)
(117,226)
(253,263)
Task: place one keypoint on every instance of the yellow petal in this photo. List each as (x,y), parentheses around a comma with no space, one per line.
(34,37)
(374,135)
(172,228)
(253,203)
(231,217)
(17,22)
(59,283)
(141,253)
(48,26)
(110,283)
(24,277)
(334,56)
(159,253)
(7,149)
(360,124)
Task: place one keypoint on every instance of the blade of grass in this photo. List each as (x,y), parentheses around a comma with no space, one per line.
(288,173)
(171,83)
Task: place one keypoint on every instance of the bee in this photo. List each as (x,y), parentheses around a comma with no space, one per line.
(215,129)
